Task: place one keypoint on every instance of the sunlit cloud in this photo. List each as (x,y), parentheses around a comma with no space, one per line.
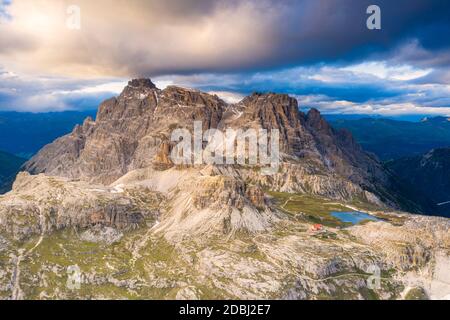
(312,49)
(386,108)
(112,87)
(384,71)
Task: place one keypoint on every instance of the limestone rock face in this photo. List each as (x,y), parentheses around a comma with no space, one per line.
(41,205)
(409,246)
(309,139)
(133,131)
(128,133)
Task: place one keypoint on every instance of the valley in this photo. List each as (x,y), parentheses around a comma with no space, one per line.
(9,167)
(394,139)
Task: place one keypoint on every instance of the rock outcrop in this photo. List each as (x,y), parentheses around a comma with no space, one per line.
(133,131)
(41,205)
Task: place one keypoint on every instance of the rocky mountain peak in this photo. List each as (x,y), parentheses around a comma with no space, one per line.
(132,132)
(313,113)
(315,120)
(141,83)
(138,89)
(273,110)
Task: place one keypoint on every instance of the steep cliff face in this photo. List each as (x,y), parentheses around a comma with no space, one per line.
(133,131)
(127,133)
(41,205)
(308,139)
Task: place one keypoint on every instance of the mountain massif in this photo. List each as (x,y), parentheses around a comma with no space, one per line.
(108,201)
(132,131)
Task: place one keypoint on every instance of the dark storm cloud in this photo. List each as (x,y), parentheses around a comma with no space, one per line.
(335,30)
(130,38)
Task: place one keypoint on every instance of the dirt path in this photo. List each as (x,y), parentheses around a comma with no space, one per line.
(138,245)
(17,293)
(341,276)
(285,203)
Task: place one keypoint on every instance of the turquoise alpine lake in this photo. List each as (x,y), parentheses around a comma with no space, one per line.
(353,217)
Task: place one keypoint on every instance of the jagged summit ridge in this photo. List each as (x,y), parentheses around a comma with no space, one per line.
(141,83)
(132,131)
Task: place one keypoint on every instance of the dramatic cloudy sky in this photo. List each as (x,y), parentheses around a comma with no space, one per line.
(317,50)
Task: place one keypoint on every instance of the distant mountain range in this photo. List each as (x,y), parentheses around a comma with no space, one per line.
(393,139)
(23,134)
(9,166)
